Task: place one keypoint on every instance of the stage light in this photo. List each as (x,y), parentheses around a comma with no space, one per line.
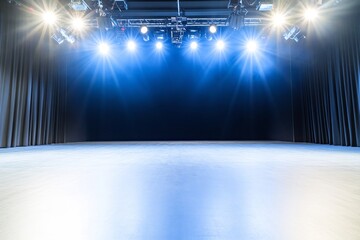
(49,17)
(252,46)
(131,45)
(104,48)
(144,29)
(220,45)
(278,20)
(212,29)
(311,14)
(78,24)
(159,45)
(193,45)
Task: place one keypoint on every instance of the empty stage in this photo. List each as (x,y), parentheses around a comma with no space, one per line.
(195,190)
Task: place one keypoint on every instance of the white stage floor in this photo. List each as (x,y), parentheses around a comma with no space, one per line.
(195,190)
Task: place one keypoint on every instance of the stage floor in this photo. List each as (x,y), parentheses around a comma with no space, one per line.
(175,190)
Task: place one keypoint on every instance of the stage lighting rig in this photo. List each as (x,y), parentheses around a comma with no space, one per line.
(79,5)
(62,34)
(294,33)
(265,6)
(177,35)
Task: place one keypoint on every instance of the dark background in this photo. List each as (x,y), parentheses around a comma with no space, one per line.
(179,95)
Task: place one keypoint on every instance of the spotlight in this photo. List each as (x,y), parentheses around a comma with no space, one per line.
(212,29)
(78,24)
(144,29)
(49,17)
(311,14)
(131,45)
(278,20)
(220,45)
(104,48)
(159,45)
(252,46)
(193,45)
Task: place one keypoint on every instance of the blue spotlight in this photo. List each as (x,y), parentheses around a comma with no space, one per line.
(159,45)
(252,46)
(131,45)
(193,45)
(220,45)
(104,48)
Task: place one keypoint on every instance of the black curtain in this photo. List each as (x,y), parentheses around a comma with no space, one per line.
(327,94)
(31,90)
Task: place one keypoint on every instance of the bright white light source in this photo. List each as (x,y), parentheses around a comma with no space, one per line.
(104,48)
(49,18)
(193,45)
(131,45)
(212,29)
(278,20)
(311,14)
(78,24)
(159,45)
(144,29)
(252,46)
(220,45)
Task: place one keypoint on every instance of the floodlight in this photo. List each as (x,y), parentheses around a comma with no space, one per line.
(193,45)
(278,20)
(78,24)
(311,14)
(144,29)
(212,29)
(49,17)
(252,46)
(159,45)
(220,45)
(104,48)
(131,45)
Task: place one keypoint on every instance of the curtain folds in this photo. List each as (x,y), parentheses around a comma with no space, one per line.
(329,107)
(31,102)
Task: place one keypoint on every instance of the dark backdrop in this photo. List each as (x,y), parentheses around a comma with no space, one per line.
(31,88)
(326,102)
(179,95)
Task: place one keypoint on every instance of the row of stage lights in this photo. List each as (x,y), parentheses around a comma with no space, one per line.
(104,48)
(79,25)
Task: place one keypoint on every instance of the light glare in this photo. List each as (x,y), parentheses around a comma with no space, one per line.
(144,29)
(252,46)
(278,20)
(78,24)
(131,45)
(159,45)
(220,45)
(194,45)
(104,48)
(311,14)
(212,29)
(49,17)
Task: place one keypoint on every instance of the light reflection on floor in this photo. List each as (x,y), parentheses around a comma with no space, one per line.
(98,191)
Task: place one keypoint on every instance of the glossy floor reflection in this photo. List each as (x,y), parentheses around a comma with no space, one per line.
(99,191)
